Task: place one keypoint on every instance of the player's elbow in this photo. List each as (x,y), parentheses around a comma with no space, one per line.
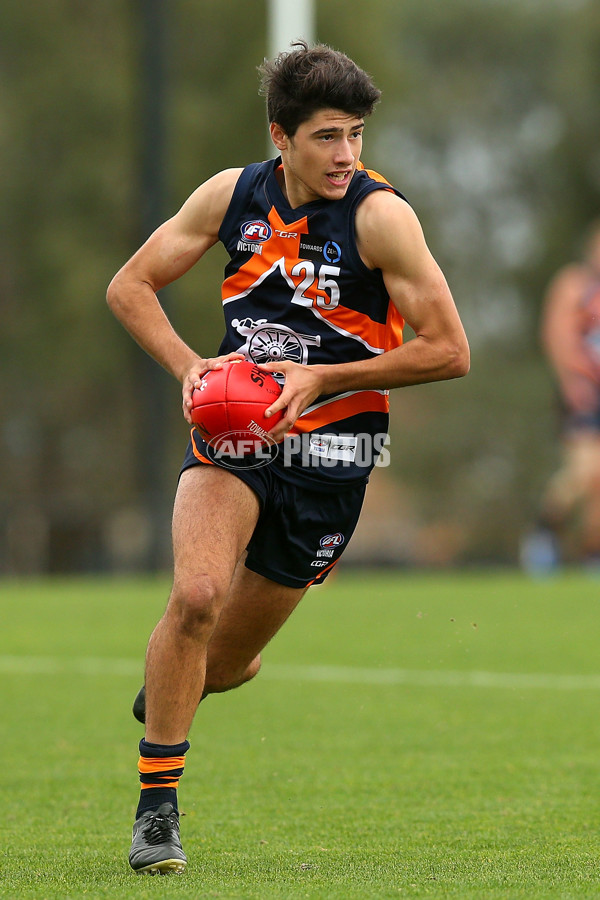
(116,295)
(112,294)
(458,361)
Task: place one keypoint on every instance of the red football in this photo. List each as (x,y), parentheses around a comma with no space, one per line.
(232,401)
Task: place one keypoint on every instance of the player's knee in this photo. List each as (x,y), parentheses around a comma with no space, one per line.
(221,678)
(197,603)
(252,670)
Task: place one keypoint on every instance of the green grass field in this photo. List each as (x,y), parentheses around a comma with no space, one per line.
(410,735)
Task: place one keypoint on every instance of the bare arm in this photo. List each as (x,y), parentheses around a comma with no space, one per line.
(167,255)
(390,238)
(562,339)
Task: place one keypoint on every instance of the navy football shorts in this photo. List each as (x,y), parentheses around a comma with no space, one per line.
(301,532)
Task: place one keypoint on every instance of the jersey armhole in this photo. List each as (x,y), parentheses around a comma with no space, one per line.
(239,193)
(375,184)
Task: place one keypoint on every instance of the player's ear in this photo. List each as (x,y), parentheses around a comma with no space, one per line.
(278,136)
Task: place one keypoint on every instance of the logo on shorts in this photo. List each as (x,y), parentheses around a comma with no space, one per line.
(331,541)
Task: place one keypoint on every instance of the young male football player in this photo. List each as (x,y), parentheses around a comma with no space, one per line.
(326,262)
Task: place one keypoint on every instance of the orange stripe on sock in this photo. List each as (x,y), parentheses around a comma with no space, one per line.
(147,765)
(170,784)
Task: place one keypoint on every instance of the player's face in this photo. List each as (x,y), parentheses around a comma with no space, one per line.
(320,160)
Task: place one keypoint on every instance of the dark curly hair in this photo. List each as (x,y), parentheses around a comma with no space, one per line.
(305,79)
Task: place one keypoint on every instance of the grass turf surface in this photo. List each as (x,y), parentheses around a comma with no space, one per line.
(410,736)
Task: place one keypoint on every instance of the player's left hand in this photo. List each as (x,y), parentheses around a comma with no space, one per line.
(303,384)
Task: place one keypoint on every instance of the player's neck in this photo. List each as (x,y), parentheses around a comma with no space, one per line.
(280,176)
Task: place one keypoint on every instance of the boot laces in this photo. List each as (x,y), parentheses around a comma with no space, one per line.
(160,828)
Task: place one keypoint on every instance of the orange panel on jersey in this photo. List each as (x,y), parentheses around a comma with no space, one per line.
(374,333)
(394,328)
(284,250)
(300,226)
(375,175)
(272,250)
(335,410)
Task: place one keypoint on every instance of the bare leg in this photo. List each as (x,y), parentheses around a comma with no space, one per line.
(590,520)
(577,486)
(213,519)
(255,610)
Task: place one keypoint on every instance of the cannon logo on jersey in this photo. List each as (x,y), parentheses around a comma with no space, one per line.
(269,342)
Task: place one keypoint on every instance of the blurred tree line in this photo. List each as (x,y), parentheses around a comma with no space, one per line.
(489,124)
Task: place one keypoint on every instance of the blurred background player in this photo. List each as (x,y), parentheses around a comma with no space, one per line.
(570,514)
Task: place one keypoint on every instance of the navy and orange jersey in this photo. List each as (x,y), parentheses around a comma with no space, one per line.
(296,288)
(589,317)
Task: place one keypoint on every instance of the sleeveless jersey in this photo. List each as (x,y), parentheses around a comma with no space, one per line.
(590,317)
(295,288)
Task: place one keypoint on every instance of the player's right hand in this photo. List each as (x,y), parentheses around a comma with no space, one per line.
(191,381)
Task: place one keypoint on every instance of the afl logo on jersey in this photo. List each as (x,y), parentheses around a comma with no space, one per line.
(332,540)
(256,231)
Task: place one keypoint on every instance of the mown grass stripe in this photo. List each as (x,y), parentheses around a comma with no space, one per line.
(108,666)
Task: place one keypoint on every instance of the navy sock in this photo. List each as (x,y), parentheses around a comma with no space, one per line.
(152,798)
(160,768)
